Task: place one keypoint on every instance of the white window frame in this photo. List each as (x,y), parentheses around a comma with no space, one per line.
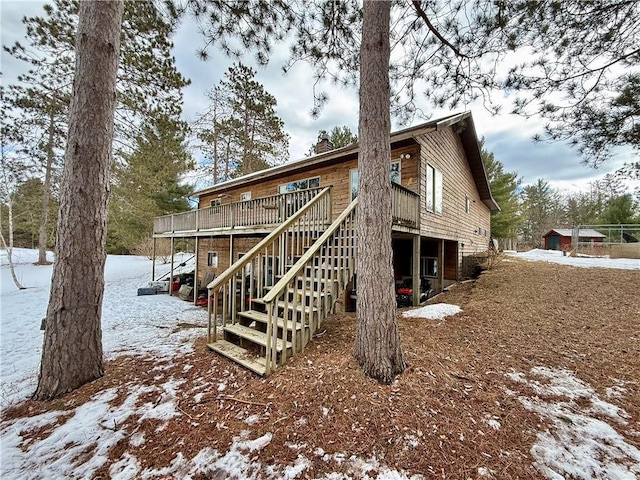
(429,189)
(434,191)
(429,267)
(212,259)
(438,187)
(395,174)
(296,185)
(216,202)
(245,196)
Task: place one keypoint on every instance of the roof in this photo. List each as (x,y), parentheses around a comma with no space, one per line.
(567,232)
(466,132)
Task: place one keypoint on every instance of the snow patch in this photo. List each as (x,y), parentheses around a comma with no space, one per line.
(583,261)
(437,311)
(580,445)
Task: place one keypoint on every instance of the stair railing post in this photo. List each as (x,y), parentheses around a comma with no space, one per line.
(268,350)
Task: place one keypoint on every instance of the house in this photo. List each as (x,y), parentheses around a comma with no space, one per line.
(560,238)
(282,245)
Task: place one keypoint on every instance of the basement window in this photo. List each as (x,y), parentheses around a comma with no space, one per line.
(428,266)
(216,202)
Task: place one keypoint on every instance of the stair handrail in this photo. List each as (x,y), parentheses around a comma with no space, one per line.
(246,258)
(282,285)
(277,289)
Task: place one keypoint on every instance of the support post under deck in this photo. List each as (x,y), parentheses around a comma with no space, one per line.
(416,270)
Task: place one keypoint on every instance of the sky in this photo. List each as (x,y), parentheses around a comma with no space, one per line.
(72,442)
(509,137)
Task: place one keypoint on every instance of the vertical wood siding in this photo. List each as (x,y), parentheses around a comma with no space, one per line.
(443,150)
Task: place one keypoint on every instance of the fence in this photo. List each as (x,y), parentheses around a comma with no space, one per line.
(617,241)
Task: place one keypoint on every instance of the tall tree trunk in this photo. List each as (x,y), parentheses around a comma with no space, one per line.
(216,160)
(9,247)
(72,351)
(46,195)
(377,349)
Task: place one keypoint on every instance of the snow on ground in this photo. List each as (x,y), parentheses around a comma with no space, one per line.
(437,311)
(583,442)
(580,444)
(555,256)
(130,324)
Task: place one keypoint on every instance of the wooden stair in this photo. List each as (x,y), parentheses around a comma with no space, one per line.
(242,356)
(280,304)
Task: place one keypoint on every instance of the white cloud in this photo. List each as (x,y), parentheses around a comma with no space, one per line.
(507,136)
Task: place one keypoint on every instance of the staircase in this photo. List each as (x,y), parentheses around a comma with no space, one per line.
(267,306)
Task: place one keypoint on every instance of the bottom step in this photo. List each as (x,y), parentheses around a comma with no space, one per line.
(240,355)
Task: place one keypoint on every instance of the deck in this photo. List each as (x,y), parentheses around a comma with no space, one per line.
(262,215)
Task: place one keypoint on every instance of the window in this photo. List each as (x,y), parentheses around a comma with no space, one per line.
(216,202)
(395,176)
(428,266)
(313,182)
(244,196)
(353,183)
(396,172)
(433,191)
(437,185)
(467,204)
(212,259)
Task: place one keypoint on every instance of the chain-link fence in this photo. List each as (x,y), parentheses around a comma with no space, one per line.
(616,241)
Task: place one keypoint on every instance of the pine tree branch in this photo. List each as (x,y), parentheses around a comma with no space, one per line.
(422,14)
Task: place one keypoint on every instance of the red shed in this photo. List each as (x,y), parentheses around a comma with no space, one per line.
(560,238)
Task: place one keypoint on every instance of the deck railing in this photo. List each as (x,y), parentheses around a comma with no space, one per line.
(266,211)
(406,206)
(257,270)
(273,210)
(306,294)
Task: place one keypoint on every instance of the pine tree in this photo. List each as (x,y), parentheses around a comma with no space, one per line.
(620,209)
(72,347)
(339,137)
(148,183)
(241,129)
(28,214)
(377,347)
(148,84)
(504,185)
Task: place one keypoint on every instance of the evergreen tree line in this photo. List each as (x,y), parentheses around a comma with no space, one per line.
(239,132)
(154,149)
(528,212)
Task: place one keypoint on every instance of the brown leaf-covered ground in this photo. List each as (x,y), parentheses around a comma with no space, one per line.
(438,419)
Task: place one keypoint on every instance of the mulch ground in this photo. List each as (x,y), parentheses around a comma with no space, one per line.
(433,419)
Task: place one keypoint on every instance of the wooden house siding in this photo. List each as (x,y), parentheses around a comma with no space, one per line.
(226,255)
(337,175)
(284,260)
(448,145)
(443,150)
